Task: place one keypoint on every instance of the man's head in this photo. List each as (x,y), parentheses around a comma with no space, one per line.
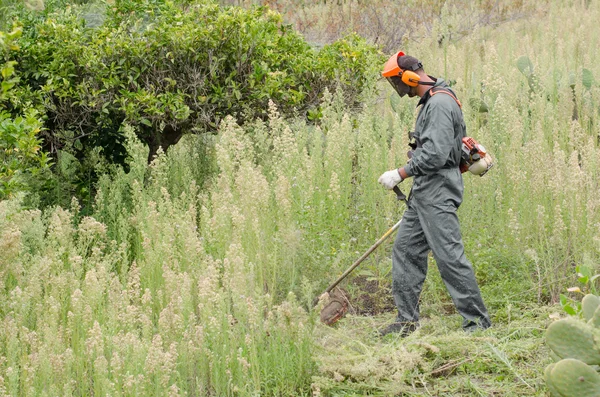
(404,73)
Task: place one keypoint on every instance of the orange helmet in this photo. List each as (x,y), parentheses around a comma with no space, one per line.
(392,69)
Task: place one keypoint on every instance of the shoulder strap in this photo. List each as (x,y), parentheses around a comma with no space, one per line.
(447,92)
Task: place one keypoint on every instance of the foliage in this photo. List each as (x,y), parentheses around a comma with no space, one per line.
(437,360)
(169,68)
(21,157)
(7,7)
(587,286)
(166,289)
(142,303)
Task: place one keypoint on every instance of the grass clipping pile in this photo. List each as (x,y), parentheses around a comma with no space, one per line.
(438,359)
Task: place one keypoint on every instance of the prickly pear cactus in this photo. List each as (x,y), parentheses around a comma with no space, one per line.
(571,377)
(572,338)
(575,345)
(589,304)
(548,378)
(595,320)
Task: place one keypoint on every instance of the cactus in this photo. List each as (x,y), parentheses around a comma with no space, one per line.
(548,377)
(589,304)
(571,338)
(555,357)
(571,377)
(479,105)
(587,79)
(526,68)
(595,320)
(575,348)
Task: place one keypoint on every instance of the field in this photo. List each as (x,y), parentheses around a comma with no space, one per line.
(194,274)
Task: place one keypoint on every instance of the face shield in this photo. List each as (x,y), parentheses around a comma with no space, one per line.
(401,88)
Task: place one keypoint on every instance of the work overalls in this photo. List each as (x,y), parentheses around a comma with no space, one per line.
(430,221)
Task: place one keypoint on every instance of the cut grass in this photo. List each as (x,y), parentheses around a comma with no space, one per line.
(438,359)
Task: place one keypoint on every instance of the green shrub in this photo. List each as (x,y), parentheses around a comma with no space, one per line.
(168,69)
(20,146)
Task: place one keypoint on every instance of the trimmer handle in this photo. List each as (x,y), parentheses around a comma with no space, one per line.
(399,194)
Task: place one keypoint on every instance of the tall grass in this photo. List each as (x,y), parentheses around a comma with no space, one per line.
(194,274)
(540,203)
(145,303)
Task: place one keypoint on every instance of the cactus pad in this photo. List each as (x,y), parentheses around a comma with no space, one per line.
(570,338)
(595,321)
(589,304)
(547,376)
(572,377)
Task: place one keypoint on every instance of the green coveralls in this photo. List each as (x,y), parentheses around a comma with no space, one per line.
(430,221)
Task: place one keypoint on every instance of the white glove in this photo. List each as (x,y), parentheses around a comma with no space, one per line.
(389,179)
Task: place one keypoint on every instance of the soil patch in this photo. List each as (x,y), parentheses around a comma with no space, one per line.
(370,297)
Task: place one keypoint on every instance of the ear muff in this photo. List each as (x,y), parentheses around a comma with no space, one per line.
(410,78)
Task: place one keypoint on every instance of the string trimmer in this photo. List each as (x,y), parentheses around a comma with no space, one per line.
(336,305)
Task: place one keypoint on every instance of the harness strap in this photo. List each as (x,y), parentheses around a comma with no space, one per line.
(435,90)
(447,92)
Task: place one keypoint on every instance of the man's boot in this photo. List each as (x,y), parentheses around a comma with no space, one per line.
(404,328)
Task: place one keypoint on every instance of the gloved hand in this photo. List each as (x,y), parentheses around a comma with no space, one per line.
(389,179)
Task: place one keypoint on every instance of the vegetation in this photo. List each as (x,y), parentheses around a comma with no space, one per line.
(194,273)
(392,24)
(23,161)
(169,68)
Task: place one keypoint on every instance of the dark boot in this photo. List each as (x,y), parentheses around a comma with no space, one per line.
(403,328)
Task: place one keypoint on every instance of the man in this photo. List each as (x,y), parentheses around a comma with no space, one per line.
(430,221)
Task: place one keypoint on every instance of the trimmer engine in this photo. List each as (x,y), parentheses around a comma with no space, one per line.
(475,158)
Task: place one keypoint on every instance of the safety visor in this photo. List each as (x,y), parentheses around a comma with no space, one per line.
(396,82)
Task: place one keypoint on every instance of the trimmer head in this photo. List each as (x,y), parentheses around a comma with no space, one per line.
(336,306)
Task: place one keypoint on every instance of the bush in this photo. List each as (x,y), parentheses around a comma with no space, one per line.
(168,69)
(21,158)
